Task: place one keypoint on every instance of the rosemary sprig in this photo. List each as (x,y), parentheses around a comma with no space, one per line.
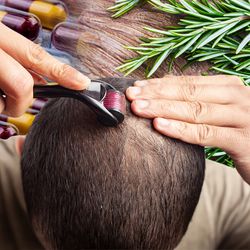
(121,7)
(218,155)
(225,58)
(205,25)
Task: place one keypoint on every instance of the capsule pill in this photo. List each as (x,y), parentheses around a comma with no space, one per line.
(25,24)
(50,13)
(65,37)
(23,123)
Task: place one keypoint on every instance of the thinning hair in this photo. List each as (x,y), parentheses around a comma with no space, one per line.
(90,186)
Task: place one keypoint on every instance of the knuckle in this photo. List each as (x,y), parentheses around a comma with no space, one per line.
(197,110)
(204,132)
(188,79)
(189,92)
(165,107)
(182,129)
(154,91)
(35,54)
(61,70)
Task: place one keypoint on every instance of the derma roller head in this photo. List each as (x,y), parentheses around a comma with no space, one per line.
(114,102)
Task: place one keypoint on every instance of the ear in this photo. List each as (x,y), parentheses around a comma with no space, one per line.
(19,144)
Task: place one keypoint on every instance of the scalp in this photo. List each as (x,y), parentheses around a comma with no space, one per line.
(91,186)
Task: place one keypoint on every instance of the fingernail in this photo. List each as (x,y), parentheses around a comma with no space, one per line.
(142,104)
(134,91)
(162,123)
(141,83)
(83,80)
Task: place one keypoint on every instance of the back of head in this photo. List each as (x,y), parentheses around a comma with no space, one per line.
(89,186)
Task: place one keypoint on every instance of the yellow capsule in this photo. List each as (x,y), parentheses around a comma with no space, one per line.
(23,123)
(49,14)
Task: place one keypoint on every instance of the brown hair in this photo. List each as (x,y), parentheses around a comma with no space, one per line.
(88,186)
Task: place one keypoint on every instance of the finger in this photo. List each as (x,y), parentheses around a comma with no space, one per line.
(33,57)
(221,94)
(201,134)
(17,85)
(182,80)
(192,112)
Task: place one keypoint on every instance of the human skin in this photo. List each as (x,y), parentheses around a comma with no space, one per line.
(21,61)
(204,110)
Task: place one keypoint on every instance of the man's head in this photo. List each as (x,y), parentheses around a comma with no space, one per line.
(89,186)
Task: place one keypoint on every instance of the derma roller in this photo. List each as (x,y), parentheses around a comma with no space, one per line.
(108,103)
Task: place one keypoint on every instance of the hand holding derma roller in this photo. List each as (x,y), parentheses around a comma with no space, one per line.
(105,100)
(108,103)
(18,58)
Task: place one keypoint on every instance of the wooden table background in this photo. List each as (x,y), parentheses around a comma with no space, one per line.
(102,49)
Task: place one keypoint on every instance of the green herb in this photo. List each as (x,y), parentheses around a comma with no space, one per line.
(218,155)
(208,31)
(121,7)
